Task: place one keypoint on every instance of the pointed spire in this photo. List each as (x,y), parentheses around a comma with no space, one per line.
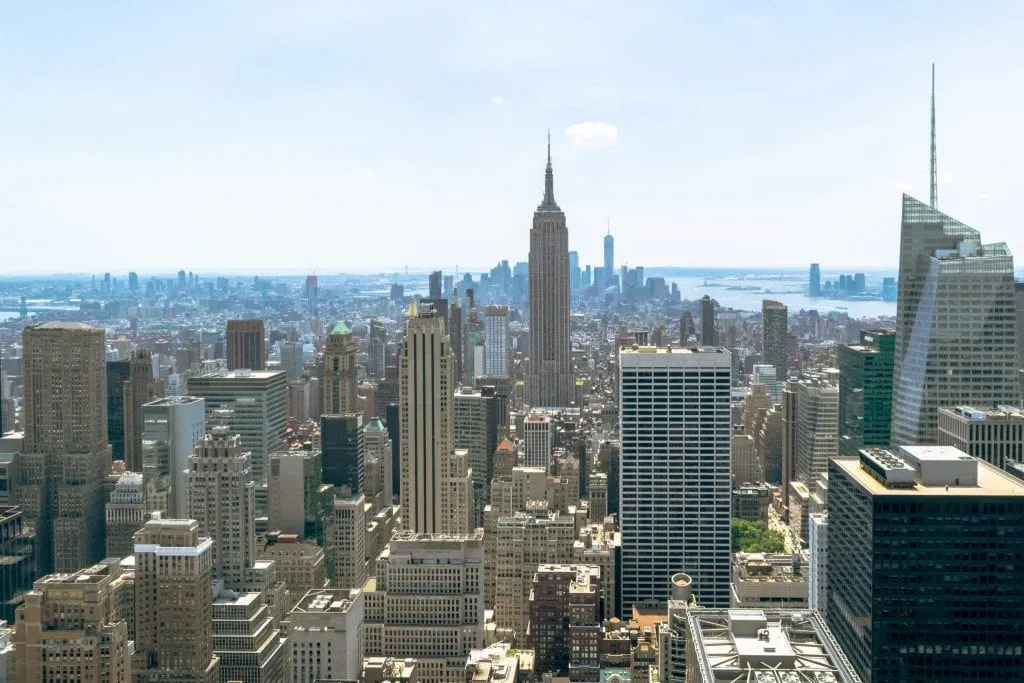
(933,195)
(549,184)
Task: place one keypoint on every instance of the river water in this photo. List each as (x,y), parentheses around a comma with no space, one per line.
(788,292)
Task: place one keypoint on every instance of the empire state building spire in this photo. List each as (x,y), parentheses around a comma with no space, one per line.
(549,185)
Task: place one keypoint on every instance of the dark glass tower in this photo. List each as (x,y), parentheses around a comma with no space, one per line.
(926,566)
(865,391)
(118,372)
(341,445)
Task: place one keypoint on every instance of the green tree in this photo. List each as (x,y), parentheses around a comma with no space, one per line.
(756,537)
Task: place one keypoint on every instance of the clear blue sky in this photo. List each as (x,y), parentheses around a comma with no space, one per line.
(334,135)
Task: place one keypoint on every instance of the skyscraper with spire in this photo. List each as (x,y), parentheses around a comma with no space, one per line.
(609,257)
(549,381)
(955,320)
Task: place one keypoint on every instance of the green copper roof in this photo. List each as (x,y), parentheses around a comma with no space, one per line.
(375,425)
(341,328)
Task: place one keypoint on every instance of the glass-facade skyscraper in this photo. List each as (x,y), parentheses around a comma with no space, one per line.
(955,320)
(865,391)
(925,554)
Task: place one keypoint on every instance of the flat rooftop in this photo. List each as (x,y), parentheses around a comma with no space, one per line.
(767,646)
(999,413)
(992,481)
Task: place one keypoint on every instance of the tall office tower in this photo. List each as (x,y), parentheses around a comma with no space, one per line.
(258,404)
(564,598)
(538,439)
(68,630)
(575,274)
(376,350)
(427,603)
(344,451)
(457,338)
(475,429)
(65,456)
(325,636)
(246,345)
(222,499)
(524,540)
(173,610)
(126,514)
(865,391)
(814,288)
(139,390)
(346,542)
(675,471)
(686,327)
(995,435)
(293,492)
(341,376)
(291,360)
(609,256)
(427,425)
(708,336)
(964,542)
(817,425)
(789,437)
(118,372)
(549,382)
(378,473)
(434,289)
(496,339)
(171,428)
(774,329)
(955,323)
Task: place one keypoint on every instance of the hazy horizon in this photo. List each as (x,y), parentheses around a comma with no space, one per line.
(319,133)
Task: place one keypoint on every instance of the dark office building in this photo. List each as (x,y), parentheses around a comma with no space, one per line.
(925,562)
(707,322)
(246,345)
(118,372)
(341,446)
(865,391)
(395,434)
(17,560)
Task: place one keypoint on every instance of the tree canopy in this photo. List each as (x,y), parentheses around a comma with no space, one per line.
(756,537)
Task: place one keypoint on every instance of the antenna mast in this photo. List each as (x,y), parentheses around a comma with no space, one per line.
(934,193)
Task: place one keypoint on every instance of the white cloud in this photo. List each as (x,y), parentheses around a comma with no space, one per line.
(366,172)
(498,99)
(592,134)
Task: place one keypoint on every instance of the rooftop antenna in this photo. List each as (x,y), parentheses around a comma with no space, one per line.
(934,190)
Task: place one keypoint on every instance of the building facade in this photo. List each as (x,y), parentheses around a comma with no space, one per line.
(865,392)
(910,525)
(246,345)
(774,329)
(995,435)
(65,456)
(955,323)
(549,383)
(341,374)
(675,428)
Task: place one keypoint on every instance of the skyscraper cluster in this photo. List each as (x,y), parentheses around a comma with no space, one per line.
(520,475)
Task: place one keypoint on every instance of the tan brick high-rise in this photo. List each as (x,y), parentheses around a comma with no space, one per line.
(173,609)
(341,376)
(549,382)
(66,455)
(67,630)
(432,479)
(246,345)
(139,390)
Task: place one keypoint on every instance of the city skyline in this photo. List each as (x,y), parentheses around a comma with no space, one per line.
(249,131)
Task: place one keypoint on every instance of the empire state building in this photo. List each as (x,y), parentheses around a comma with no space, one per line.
(549,381)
